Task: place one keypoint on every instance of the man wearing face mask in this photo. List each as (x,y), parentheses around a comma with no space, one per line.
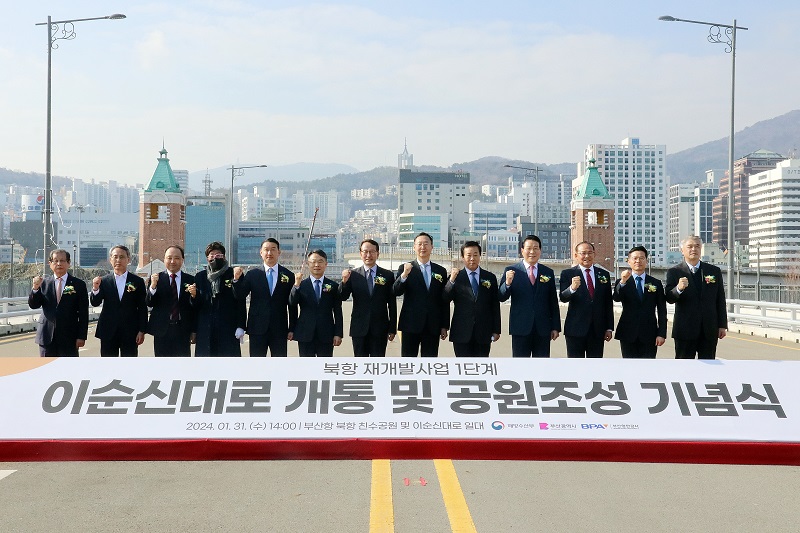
(221,318)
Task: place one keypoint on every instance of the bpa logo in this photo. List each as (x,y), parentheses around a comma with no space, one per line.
(594,426)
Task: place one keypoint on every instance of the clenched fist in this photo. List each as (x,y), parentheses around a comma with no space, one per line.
(153,281)
(345,275)
(37,282)
(454,274)
(683,283)
(576,283)
(96,283)
(509,276)
(298,277)
(192,290)
(406,270)
(625,276)
(237,272)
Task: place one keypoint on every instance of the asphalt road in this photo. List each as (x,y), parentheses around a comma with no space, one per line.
(402,495)
(734,346)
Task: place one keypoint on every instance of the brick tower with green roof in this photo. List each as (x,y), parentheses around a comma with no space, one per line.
(592,217)
(162,213)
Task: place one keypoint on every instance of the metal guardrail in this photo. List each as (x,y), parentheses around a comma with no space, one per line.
(763,314)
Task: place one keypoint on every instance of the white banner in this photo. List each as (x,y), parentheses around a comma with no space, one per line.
(394,398)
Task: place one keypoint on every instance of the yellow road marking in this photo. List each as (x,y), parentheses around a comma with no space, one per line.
(453,496)
(741,337)
(381,508)
(17,338)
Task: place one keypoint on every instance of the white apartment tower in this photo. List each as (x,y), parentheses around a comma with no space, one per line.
(635,175)
(775,217)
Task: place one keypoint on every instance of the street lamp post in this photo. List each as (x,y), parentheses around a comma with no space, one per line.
(80,209)
(727,37)
(235,171)
(67,33)
(758,271)
(536,171)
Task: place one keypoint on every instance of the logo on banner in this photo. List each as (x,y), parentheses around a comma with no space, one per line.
(497,425)
(594,426)
(543,425)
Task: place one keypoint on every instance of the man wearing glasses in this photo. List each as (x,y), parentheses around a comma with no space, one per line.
(373,322)
(590,315)
(64,302)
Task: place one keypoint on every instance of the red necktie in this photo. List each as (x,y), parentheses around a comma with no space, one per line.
(531,276)
(590,283)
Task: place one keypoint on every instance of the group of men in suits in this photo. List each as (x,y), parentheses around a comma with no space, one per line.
(209,309)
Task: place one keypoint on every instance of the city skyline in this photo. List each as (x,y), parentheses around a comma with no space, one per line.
(282,83)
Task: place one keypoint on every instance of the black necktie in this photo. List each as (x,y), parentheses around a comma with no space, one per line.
(174,314)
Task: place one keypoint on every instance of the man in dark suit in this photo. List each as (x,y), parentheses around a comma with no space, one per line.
(123,319)
(476,305)
(319,327)
(590,315)
(271,320)
(535,319)
(642,328)
(221,318)
(373,321)
(696,289)
(64,302)
(424,317)
(171,298)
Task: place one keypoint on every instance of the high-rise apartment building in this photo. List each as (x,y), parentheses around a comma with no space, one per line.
(635,175)
(743,168)
(774,233)
(690,211)
(430,195)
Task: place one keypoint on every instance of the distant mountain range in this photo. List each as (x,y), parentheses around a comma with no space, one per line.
(780,134)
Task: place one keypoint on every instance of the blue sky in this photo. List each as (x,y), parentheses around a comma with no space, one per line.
(283,82)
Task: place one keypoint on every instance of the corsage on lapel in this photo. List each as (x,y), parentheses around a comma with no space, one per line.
(380,280)
(437,277)
(284,278)
(229,283)
(68,289)
(486,283)
(650,287)
(710,279)
(602,279)
(544,279)
(327,287)
(130,287)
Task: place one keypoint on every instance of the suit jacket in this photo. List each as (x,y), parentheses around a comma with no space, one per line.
(376,312)
(642,319)
(478,316)
(585,315)
(534,308)
(424,310)
(700,305)
(129,315)
(317,320)
(224,313)
(268,312)
(161,304)
(65,321)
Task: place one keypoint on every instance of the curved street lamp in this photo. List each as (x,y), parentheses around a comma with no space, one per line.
(236,171)
(67,33)
(716,35)
(536,171)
